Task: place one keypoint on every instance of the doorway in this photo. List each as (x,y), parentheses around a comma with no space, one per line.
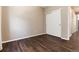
(78,21)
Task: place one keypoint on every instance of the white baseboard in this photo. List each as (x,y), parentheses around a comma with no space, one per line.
(65,38)
(68,38)
(29,37)
(61,37)
(22,38)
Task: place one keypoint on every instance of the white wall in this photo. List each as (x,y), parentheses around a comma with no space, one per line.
(72,21)
(64,19)
(0,31)
(20,22)
(69,21)
(64,22)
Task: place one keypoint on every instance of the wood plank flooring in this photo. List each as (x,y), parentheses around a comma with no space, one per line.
(43,43)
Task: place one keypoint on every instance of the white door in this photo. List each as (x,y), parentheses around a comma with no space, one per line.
(53,23)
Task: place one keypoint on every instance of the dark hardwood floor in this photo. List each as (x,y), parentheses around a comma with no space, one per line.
(43,43)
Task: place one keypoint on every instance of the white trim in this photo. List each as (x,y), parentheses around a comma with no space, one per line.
(22,38)
(65,38)
(60,37)
(68,38)
(29,37)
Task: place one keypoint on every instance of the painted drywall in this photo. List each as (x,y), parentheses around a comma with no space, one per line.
(0,31)
(72,21)
(5,24)
(69,21)
(64,22)
(64,18)
(20,22)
